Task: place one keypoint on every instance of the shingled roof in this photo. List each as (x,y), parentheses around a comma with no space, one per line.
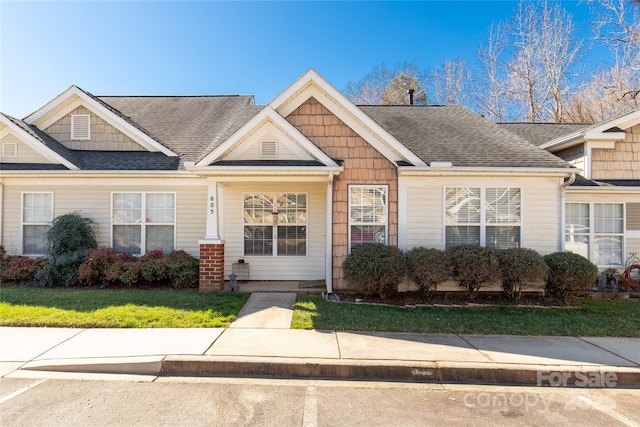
(190,126)
(541,133)
(458,135)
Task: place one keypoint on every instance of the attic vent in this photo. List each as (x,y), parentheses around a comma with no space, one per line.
(80,126)
(268,149)
(9,149)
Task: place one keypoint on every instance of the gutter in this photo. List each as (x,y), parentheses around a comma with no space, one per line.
(563,202)
(449,171)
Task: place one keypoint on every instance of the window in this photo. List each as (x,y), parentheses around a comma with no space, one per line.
(367,215)
(142,222)
(37,214)
(488,217)
(596,231)
(80,126)
(275,224)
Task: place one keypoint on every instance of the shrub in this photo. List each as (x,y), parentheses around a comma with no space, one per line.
(473,266)
(183,270)
(569,272)
(3,260)
(428,267)
(375,269)
(97,267)
(69,237)
(21,269)
(520,266)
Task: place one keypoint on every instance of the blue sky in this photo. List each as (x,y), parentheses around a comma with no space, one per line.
(219,47)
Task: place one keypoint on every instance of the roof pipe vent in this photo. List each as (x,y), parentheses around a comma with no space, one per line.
(411,96)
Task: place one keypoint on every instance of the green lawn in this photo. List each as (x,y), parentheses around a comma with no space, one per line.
(117,308)
(614,318)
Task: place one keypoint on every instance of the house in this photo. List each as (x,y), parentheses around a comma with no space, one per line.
(285,191)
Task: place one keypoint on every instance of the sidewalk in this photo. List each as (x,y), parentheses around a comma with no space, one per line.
(261,344)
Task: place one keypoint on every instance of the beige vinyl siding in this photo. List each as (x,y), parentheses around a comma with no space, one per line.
(623,162)
(25,153)
(309,267)
(103,135)
(92,199)
(540,215)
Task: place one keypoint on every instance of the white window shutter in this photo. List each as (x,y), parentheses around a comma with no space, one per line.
(80,126)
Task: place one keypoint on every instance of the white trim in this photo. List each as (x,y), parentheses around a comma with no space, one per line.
(36,145)
(23,223)
(98,109)
(493,171)
(403,215)
(274,232)
(143,224)
(386,213)
(267,114)
(311,84)
(76,123)
(328,226)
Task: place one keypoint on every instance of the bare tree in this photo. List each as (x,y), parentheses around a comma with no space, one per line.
(389,86)
(613,89)
(489,80)
(450,82)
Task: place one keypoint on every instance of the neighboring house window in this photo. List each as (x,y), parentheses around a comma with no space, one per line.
(596,231)
(368,213)
(142,222)
(488,217)
(80,126)
(275,224)
(37,214)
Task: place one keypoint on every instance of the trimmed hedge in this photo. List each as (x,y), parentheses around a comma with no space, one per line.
(375,268)
(569,272)
(428,267)
(473,267)
(520,266)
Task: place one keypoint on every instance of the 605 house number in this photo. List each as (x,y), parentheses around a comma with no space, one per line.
(212,205)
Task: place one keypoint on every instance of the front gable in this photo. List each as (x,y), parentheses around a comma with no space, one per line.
(267,137)
(104,129)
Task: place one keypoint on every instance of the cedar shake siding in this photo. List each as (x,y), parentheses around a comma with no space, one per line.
(363,165)
(623,162)
(104,137)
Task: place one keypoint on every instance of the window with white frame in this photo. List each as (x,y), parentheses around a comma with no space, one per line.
(275,224)
(368,215)
(488,217)
(80,126)
(37,214)
(142,222)
(596,231)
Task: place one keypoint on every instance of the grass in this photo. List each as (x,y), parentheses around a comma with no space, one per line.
(117,308)
(613,318)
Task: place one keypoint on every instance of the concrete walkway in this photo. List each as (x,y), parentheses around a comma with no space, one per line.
(259,343)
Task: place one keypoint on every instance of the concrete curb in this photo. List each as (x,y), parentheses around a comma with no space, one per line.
(137,365)
(393,370)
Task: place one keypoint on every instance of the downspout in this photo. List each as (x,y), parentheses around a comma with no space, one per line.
(328,226)
(563,198)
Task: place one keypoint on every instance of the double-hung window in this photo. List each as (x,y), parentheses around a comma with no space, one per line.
(488,217)
(275,224)
(142,222)
(37,214)
(368,215)
(596,231)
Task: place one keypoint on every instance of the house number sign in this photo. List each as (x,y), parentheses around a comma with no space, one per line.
(212,205)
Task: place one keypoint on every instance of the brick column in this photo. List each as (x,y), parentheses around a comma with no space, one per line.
(211,266)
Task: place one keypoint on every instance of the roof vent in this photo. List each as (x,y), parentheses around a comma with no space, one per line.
(80,126)
(411,91)
(268,149)
(9,149)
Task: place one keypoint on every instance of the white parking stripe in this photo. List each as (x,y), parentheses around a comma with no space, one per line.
(310,412)
(607,410)
(20,391)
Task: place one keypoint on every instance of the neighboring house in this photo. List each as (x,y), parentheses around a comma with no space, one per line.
(602,208)
(289,187)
